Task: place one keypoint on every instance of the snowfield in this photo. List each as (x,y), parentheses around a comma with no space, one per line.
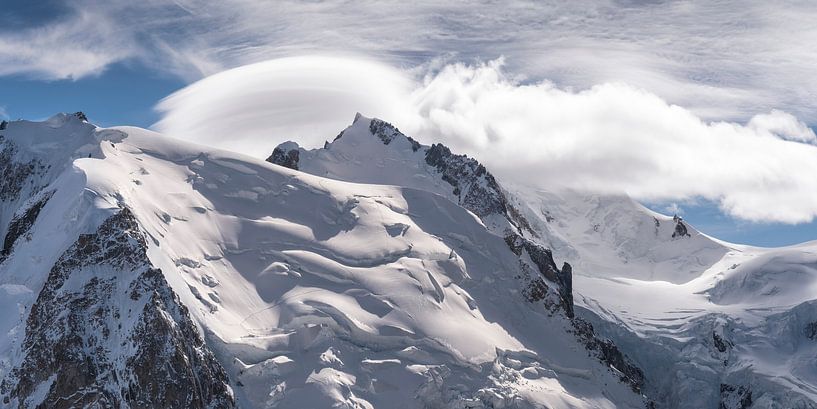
(711,324)
(376,275)
(310,292)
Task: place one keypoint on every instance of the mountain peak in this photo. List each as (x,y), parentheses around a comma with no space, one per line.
(62,118)
(400,160)
(286,154)
(358,116)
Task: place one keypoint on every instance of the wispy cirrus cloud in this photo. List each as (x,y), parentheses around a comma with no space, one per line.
(76,46)
(664,100)
(721,60)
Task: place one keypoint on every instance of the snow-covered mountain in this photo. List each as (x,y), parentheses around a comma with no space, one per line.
(141,271)
(711,324)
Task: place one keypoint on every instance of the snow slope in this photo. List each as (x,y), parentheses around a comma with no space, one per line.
(700,316)
(265,287)
(712,324)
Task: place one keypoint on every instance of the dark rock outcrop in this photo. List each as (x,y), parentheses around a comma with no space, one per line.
(811,330)
(608,353)
(721,344)
(21,223)
(680,228)
(283,157)
(386,132)
(106,330)
(81,116)
(475,187)
(542,258)
(3,125)
(16,175)
(566,290)
(735,397)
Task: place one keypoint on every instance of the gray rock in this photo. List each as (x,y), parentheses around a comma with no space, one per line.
(21,223)
(285,157)
(735,397)
(117,340)
(608,353)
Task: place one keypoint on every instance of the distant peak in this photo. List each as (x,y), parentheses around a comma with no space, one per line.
(286,154)
(358,116)
(60,119)
(288,146)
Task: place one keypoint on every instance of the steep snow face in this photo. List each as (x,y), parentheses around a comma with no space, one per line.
(700,316)
(270,288)
(33,154)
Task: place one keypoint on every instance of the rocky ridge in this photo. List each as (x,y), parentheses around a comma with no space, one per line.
(107,331)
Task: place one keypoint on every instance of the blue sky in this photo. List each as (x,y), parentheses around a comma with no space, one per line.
(123,94)
(708,218)
(724,71)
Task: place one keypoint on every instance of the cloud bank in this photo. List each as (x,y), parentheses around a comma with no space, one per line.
(611,137)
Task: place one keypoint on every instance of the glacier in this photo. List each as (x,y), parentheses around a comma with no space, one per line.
(138,270)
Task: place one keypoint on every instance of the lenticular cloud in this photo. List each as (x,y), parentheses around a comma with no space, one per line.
(610,138)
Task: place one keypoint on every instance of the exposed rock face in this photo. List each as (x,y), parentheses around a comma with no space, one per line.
(811,330)
(15,175)
(720,344)
(3,125)
(680,228)
(542,258)
(475,187)
(22,221)
(735,397)
(285,157)
(387,132)
(107,331)
(81,116)
(607,352)
(566,286)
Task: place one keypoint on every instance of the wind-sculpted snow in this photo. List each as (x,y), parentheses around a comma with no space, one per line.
(690,319)
(133,258)
(309,292)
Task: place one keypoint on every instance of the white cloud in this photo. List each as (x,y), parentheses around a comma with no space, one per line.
(77,46)
(309,99)
(611,137)
(674,209)
(782,125)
